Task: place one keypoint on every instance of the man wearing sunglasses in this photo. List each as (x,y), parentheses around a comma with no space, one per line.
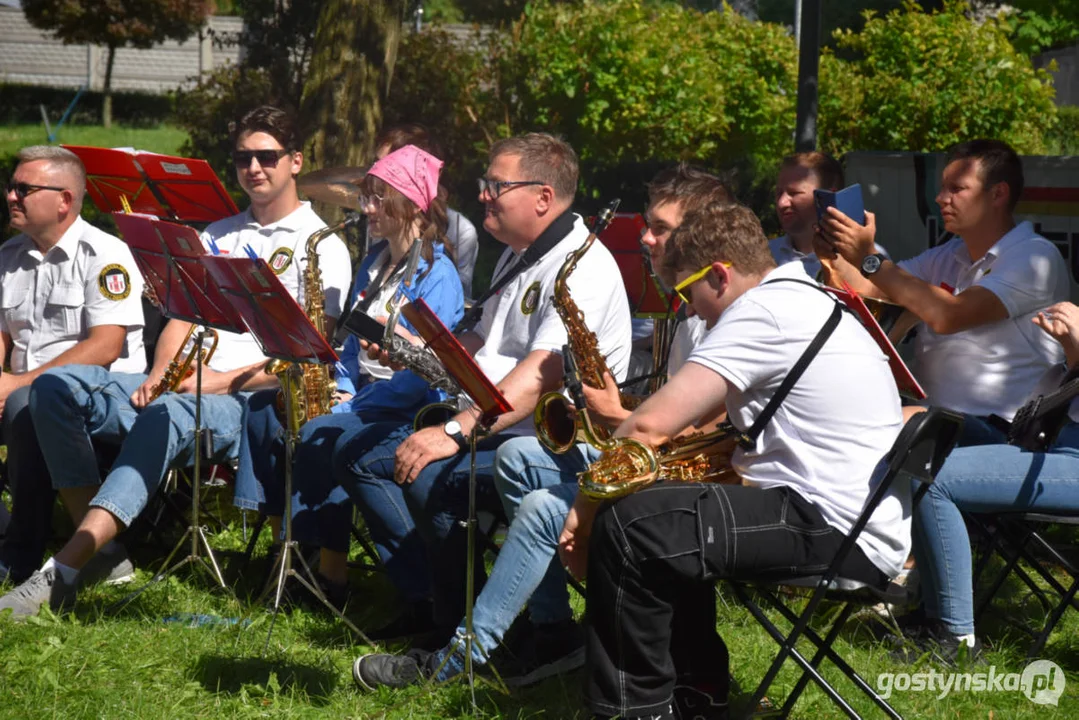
(652,557)
(537,487)
(69,293)
(75,405)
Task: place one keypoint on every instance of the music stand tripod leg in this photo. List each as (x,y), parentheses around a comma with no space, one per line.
(305,576)
(194,529)
(467,640)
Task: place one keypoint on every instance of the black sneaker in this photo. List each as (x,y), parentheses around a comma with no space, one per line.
(692,703)
(555,648)
(337,594)
(941,645)
(414,667)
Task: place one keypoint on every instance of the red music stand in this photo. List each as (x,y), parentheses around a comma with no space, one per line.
(170,257)
(904,378)
(284,332)
(177,188)
(492,403)
(647,298)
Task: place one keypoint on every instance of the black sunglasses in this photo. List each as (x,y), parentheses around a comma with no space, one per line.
(22,189)
(267,158)
(494,188)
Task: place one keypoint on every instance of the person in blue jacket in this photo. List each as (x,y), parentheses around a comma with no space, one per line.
(400,197)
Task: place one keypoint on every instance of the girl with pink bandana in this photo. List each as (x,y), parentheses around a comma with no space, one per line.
(400,198)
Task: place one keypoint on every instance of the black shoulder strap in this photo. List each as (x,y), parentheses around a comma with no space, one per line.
(553,235)
(748,439)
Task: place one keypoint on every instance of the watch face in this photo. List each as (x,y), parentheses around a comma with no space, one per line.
(453,427)
(871,264)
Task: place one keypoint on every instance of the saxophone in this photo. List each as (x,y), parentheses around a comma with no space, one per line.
(180,367)
(557,426)
(311,393)
(417,358)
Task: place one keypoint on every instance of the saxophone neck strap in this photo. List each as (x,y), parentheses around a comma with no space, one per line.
(551,236)
(748,439)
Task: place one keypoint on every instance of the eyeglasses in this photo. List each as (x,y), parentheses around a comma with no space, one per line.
(22,189)
(681,287)
(267,158)
(370,200)
(494,188)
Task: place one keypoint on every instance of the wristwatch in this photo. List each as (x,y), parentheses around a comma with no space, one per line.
(872,263)
(453,429)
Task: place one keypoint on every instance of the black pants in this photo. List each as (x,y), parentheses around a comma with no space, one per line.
(653,559)
(32,495)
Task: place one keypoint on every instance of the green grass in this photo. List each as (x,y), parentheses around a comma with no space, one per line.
(130,663)
(164,139)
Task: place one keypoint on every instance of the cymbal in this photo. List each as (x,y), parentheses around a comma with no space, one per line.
(338,186)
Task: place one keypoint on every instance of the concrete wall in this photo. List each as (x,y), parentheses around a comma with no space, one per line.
(29,56)
(1066,77)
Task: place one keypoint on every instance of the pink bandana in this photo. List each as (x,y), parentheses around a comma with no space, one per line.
(411,171)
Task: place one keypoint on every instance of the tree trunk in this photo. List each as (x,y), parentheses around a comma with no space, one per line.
(349,77)
(106,100)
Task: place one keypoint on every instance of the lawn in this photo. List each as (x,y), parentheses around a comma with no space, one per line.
(164,139)
(146,660)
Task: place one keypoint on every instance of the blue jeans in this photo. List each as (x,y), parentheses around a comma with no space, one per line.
(415,527)
(71,406)
(537,489)
(986,479)
(321,509)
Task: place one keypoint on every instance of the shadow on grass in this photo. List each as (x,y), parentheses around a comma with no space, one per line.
(232,675)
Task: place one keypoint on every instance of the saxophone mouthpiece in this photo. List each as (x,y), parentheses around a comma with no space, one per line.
(604,217)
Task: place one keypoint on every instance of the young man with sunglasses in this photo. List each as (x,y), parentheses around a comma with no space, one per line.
(536,488)
(415,484)
(69,294)
(652,558)
(73,406)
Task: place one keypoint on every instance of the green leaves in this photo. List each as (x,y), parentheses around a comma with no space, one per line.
(921,81)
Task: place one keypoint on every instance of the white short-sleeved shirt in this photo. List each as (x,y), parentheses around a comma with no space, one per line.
(687,336)
(283,245)
(991,368)
(839,420)
(48,303)
(521,317)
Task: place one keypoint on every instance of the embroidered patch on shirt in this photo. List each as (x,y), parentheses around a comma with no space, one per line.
(280,260)
(531,299)
(114,282)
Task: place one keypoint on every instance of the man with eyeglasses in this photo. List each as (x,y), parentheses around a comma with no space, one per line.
(69,293)
(75,405)
(423,476)
(652,557)
(536,488)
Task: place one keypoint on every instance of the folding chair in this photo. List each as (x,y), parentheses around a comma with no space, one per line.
(917,455)
(1019,537)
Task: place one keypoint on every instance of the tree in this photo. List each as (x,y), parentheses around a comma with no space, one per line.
(116,24)
(349,77)
(923,81)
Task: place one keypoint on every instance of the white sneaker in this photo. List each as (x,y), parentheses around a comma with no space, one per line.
(111,568)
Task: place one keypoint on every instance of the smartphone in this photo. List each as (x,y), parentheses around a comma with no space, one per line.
(364,326)
(848,201)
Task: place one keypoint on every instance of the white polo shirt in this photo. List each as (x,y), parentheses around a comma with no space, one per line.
(283,245)
(839,420)
(48,303)
(991,368)
(687,336)
(521,317)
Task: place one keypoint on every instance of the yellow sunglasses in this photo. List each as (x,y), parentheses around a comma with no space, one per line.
(682,286)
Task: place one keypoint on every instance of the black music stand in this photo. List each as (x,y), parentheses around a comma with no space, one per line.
(284,332)
(492,403)
(170,257)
